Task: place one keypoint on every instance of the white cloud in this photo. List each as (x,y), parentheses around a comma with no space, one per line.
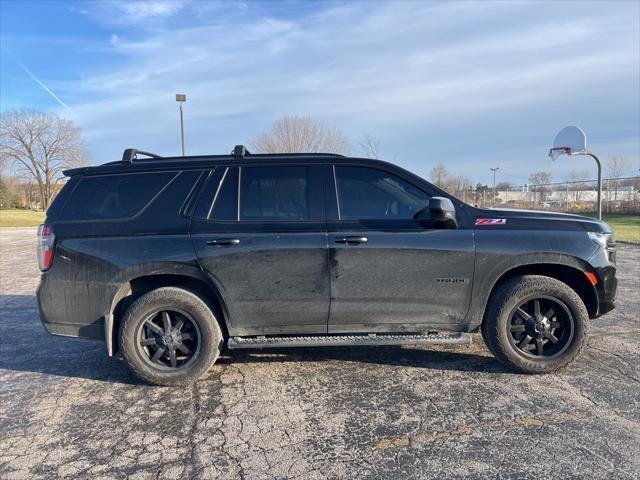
(140,9)
(133,12)
(409,72)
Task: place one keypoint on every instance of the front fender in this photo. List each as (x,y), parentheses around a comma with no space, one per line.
(499,252)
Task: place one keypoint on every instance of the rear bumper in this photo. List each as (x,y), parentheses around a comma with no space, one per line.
(92,332)
(56,324)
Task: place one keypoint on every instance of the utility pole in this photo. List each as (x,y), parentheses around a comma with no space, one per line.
(181,98)
(494,169)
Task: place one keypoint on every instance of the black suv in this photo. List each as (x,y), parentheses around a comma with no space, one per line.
(168,260)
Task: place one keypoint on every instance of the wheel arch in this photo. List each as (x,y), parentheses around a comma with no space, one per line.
(134,288)
(569,275)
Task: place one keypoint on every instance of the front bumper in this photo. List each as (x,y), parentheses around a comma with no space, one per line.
(604,266)
(606,289)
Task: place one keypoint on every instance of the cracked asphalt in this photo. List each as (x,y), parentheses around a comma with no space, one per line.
(68,411)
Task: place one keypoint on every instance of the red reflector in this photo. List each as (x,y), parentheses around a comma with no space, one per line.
(592,277)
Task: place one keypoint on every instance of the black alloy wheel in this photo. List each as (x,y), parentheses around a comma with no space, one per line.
(541,327)
(168,339)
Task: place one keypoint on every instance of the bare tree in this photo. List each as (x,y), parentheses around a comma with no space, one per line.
(458,183)
(439,175)
(293,134)
(538,181)
(579,177)
(616,167)
(369,146)
(39,146)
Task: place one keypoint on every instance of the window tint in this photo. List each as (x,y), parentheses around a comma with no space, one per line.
(275,194)
(114,196)
(225,203)
(372,194)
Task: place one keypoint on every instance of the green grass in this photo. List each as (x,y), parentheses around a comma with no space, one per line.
(626,227)
(20,218)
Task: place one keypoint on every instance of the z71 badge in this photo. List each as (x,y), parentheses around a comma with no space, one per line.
(491,221)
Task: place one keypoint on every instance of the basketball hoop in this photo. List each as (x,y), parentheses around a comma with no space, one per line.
(555,152)
(573,141)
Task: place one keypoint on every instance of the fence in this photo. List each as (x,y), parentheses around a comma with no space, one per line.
(619,195)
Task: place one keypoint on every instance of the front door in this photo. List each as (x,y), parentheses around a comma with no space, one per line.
(389,272)
(259,234)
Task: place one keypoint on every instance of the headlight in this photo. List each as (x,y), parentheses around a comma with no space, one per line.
(606,241)
(600,238)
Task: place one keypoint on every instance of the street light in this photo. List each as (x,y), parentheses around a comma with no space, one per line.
(494,170)
(573,141)
(181,98)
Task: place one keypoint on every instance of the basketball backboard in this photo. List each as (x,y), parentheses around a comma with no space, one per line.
(569,141)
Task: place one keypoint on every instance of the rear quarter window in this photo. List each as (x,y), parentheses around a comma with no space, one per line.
(118,196)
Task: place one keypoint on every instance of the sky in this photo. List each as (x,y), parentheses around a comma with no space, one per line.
(471,85)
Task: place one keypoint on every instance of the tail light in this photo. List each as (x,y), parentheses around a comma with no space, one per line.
(46,244)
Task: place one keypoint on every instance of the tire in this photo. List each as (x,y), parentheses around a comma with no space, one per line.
(193,335)
(505,328)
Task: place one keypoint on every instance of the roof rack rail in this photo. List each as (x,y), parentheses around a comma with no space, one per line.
(131,154)
(239,151)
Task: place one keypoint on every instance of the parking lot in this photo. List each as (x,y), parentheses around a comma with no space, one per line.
(68,411)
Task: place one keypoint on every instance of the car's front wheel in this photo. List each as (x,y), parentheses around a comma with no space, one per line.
(170,336)
(535,324)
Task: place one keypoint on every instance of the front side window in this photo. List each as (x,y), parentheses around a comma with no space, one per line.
(372,194)
(276,193)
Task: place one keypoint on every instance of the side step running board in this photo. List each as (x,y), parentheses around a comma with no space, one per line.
(347,340)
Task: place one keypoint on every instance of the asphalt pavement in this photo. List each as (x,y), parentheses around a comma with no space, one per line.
(69,411)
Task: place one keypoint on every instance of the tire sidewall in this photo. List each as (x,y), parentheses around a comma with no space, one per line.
(171,298)
(497,329)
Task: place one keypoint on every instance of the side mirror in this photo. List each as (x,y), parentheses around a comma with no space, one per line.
(442,212)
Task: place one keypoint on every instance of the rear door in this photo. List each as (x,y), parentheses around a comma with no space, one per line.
(389,272)
(259,233)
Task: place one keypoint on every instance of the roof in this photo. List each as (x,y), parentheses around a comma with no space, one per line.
(131,163)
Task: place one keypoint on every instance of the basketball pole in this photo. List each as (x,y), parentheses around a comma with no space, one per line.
(599,198)
(599,183)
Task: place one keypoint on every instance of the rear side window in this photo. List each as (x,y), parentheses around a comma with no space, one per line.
(117,196)
(219,198)
(225,204)
(276,193)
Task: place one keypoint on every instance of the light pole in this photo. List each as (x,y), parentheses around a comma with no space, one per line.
(494,170)
(181,98)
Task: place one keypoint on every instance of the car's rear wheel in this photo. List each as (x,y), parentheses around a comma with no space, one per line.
(170,336)
(535,324)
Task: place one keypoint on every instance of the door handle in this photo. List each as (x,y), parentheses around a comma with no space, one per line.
(351,240)
(219,242)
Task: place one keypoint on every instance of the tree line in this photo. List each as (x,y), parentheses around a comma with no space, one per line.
(36,147)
